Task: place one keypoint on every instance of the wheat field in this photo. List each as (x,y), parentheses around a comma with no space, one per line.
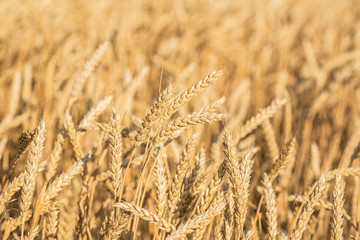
(192,119)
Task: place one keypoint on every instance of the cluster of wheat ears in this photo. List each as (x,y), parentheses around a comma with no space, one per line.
(266,147)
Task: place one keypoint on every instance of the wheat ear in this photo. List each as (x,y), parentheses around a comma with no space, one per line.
(55,156)
(174,128)
(282,160)
(270,140)
(191,182)
(61,181)
(229,216)
(115,154)
(88,69)
(298,230)
(271,211)
(338,208)
(255,121)
(212,189)
(196,221)
(90,117)
(73,135)
(52,224)
(146,215)
(191,93)
(218,199)
(182,167)
(153,116)
(161,185)
(240,173)
(213,107)
(32,233)
(113,226)
(31,171)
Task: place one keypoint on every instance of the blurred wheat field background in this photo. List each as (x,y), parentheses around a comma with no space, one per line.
(200,119)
